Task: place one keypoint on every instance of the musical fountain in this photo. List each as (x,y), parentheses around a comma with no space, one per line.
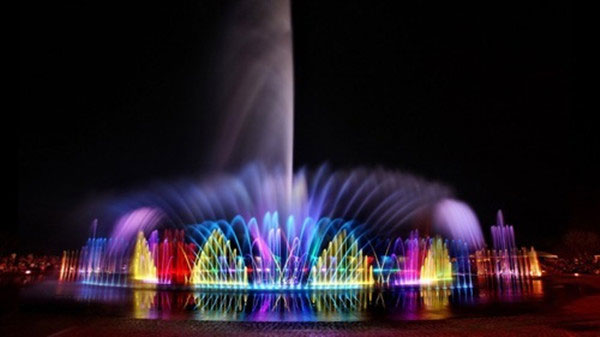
(252,226)
(324,254)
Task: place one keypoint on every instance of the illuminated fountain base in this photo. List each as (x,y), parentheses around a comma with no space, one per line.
(238,255)
(310,255)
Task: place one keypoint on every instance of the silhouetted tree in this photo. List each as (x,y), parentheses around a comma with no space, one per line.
(579,244)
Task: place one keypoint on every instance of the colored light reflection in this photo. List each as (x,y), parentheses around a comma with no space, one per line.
(406,303)
(347,305)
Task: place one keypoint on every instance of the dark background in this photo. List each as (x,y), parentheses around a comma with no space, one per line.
(117,95)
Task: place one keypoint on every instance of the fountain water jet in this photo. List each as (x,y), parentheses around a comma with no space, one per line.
(233,234)
(256,104)
(506,261)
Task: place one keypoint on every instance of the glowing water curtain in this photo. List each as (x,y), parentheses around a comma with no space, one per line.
(143,267)
(315,254)
(437,269)
(425,262)
(342,264)
(505,261)
(268,255)
(218,265)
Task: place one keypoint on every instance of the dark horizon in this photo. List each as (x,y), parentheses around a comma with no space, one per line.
(115,97)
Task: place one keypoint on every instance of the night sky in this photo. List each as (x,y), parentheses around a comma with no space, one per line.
(115,96)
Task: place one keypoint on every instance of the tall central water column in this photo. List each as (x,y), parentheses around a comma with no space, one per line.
(255,104)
